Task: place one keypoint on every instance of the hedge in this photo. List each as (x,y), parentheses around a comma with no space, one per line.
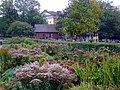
(84,45)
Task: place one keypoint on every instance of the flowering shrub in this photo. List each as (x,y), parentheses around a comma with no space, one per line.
(51,76)
(53,49)
(24,55)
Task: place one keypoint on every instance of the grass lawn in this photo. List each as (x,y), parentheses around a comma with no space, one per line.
(5,45)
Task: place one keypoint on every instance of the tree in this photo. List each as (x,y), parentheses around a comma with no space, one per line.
(18,28)
(29,11)
(3,25)
(34,17)
(24,7)
(8,15)
(7,9)
(110,22)
(82,17)
(19,10)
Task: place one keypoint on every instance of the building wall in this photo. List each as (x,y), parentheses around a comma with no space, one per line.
(50,19)
(47,35)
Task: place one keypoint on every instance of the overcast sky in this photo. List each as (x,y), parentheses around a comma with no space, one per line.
(57,5)
(53,5)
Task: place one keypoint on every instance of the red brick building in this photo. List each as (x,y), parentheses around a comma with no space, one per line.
(46,31)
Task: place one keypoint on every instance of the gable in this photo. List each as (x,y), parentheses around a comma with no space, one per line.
(47,14)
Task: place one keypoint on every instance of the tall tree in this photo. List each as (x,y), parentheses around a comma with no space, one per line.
(110,22)
(7,9)
(27,7)
(22,10)
(8,15)
(34,17)
(82,17)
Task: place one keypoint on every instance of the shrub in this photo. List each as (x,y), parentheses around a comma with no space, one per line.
(84,46)
(23,55)
(7,80)
(18,28)
(45,77)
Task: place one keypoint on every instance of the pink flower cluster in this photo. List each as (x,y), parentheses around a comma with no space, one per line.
(23,52)
(33,54)
(48,71)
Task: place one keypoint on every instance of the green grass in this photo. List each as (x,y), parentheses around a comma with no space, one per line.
(6,45)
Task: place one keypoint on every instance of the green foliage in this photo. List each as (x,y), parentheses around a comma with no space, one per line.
(4,59)
(90,86)
(14,40)
(82,17)
(8,13)
(105,72)
(34,17)
(29,11)
(110,20)
(84,46)
(18,28)
(96,46)
(18,40)
(19,10)
(27,5)
(7,79)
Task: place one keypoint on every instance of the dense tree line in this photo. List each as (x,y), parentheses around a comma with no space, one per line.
(19,10)
(79,18)
(90,16)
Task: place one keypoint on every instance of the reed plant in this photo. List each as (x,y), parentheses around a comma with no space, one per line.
(105,72)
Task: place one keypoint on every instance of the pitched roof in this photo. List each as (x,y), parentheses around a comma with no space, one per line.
(52,12)
(45,28)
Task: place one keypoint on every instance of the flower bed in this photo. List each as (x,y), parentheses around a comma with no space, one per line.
(50,66)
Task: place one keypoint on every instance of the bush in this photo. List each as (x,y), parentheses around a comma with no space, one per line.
(7,80)
(84,45)
(18,28)
(44,77)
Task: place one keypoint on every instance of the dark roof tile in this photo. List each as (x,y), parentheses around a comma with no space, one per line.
(45,28)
